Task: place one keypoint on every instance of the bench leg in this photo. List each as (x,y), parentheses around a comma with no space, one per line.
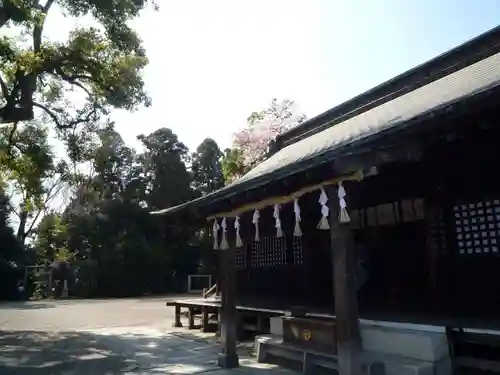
(177,317)
(217,332)
(261,323)
(190,318)
(204,319)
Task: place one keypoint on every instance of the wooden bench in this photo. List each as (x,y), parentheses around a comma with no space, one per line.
(192,311)
(473,350)
(205,308)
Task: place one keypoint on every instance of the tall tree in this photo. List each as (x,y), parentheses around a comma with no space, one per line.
(112,240)
(233,165)
(206,167)
(101,64)
(167,179)
(106,232)
(51,237)
(168,183)
(115,166)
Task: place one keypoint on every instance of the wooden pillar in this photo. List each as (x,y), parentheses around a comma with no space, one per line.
(345,290)
(228,358)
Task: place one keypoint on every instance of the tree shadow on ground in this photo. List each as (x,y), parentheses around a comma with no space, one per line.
(110,352)
(26,305)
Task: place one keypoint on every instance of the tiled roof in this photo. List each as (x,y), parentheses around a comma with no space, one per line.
(464,83)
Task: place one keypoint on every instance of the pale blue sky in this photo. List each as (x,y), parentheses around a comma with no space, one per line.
(214,62)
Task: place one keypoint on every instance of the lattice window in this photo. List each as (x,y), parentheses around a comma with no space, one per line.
(477,227)
(240,258)
(270,251)
(256,255)
(297,249)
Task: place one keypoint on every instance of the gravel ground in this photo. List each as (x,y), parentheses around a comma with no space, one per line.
(82,314)
(104,337)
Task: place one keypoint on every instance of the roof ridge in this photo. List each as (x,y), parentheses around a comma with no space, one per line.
(465,54)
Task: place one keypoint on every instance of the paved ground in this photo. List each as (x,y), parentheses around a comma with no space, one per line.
(101,337)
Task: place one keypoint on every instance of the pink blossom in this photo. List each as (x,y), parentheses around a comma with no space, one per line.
(263,127)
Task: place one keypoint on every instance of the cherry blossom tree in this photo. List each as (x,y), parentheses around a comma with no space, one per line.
(251,143)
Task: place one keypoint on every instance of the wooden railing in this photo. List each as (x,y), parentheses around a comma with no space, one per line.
(212,290)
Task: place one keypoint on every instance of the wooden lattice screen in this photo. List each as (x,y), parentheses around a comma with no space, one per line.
(297,250)
(477,227)
(270,251)
(240,258)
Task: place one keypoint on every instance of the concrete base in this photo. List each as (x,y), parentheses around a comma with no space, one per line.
(310,361)
(405,342)
(421,352)
(404,349)
(228,360)
(276,326)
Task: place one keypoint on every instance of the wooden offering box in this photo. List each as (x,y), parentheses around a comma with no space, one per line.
(313,334)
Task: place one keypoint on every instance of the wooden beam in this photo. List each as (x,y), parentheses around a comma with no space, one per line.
(345,290)
(228,358)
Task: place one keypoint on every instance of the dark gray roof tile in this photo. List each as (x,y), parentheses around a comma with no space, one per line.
(461,84)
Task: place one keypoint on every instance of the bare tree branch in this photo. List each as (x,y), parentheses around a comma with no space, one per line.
(70,124)
(49,112)
(47,6)
(10,142)
(54,190)
(59,73)
(38,29)
(13,210)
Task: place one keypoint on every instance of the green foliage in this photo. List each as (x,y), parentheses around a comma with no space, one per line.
(34,176)
(103,239)
(206,167)
(106,233)
(166,177)
(97,67)
(51,236)
(101,65)
(233,164)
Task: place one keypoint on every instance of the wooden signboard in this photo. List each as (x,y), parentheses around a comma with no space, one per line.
(312,334)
